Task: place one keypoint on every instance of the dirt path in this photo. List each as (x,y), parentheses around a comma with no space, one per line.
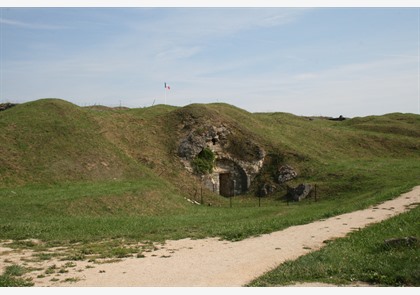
(215,263)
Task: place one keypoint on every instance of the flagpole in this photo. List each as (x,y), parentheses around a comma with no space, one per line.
(165,92)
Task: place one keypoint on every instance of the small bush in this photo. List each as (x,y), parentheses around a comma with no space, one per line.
(204,162)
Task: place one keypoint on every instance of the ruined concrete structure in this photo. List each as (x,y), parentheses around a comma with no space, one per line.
(232,174)
(7,105)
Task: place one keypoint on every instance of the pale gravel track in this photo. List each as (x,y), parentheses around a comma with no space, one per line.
(215,263)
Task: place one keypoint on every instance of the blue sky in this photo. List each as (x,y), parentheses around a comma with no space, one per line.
(305,61)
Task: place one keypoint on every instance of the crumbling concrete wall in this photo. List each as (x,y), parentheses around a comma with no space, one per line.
(231,174)
(228,178)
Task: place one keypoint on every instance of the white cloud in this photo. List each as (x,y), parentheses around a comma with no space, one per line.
(177,53)
(33,26)
(286,16)
(377,87)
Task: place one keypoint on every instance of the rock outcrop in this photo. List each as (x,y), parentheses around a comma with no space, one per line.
(298,193)
(266,189)
(236,164)
(286,173)
(5,106)
(196,141)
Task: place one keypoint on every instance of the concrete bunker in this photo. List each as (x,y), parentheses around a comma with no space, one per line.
(228,178)
(237,159)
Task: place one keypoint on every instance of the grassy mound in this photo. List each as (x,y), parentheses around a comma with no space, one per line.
(51,140)
(79,176)
(64,167)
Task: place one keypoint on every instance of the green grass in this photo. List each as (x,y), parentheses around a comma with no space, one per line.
(12,277)
(360,257)
(105,211)
(49,141)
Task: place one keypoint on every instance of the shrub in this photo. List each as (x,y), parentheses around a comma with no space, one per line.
(203,163)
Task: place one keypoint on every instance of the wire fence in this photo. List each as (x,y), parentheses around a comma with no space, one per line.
(198,198)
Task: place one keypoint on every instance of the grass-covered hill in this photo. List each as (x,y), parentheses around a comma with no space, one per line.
(53,141)
(60,160)
(98,180)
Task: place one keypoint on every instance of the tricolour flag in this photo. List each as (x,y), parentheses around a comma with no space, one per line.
(167,86)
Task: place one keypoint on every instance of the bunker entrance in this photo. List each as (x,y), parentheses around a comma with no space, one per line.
(232,179)
(226,185)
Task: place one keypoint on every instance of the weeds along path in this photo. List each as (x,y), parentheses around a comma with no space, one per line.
(215,263)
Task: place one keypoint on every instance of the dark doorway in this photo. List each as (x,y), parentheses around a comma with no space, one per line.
(226,185)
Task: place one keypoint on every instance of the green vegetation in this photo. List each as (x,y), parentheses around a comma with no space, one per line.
(84,213)
(12,277)
(99,176)
(204,162)
(361,256)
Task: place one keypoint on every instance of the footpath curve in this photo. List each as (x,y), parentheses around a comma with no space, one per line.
(214,263)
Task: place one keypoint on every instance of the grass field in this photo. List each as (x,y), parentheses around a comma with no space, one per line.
(70,174)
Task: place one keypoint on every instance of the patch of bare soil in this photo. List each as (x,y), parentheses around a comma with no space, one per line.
(207,262)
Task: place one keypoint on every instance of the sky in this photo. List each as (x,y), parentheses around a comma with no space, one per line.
(308,61)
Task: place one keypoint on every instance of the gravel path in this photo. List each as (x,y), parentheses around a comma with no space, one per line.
(214,263)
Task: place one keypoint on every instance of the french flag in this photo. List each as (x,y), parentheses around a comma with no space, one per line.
(167,86)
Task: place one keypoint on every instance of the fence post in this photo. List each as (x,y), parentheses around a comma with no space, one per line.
(234,187)
(195,193)
(315,193)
